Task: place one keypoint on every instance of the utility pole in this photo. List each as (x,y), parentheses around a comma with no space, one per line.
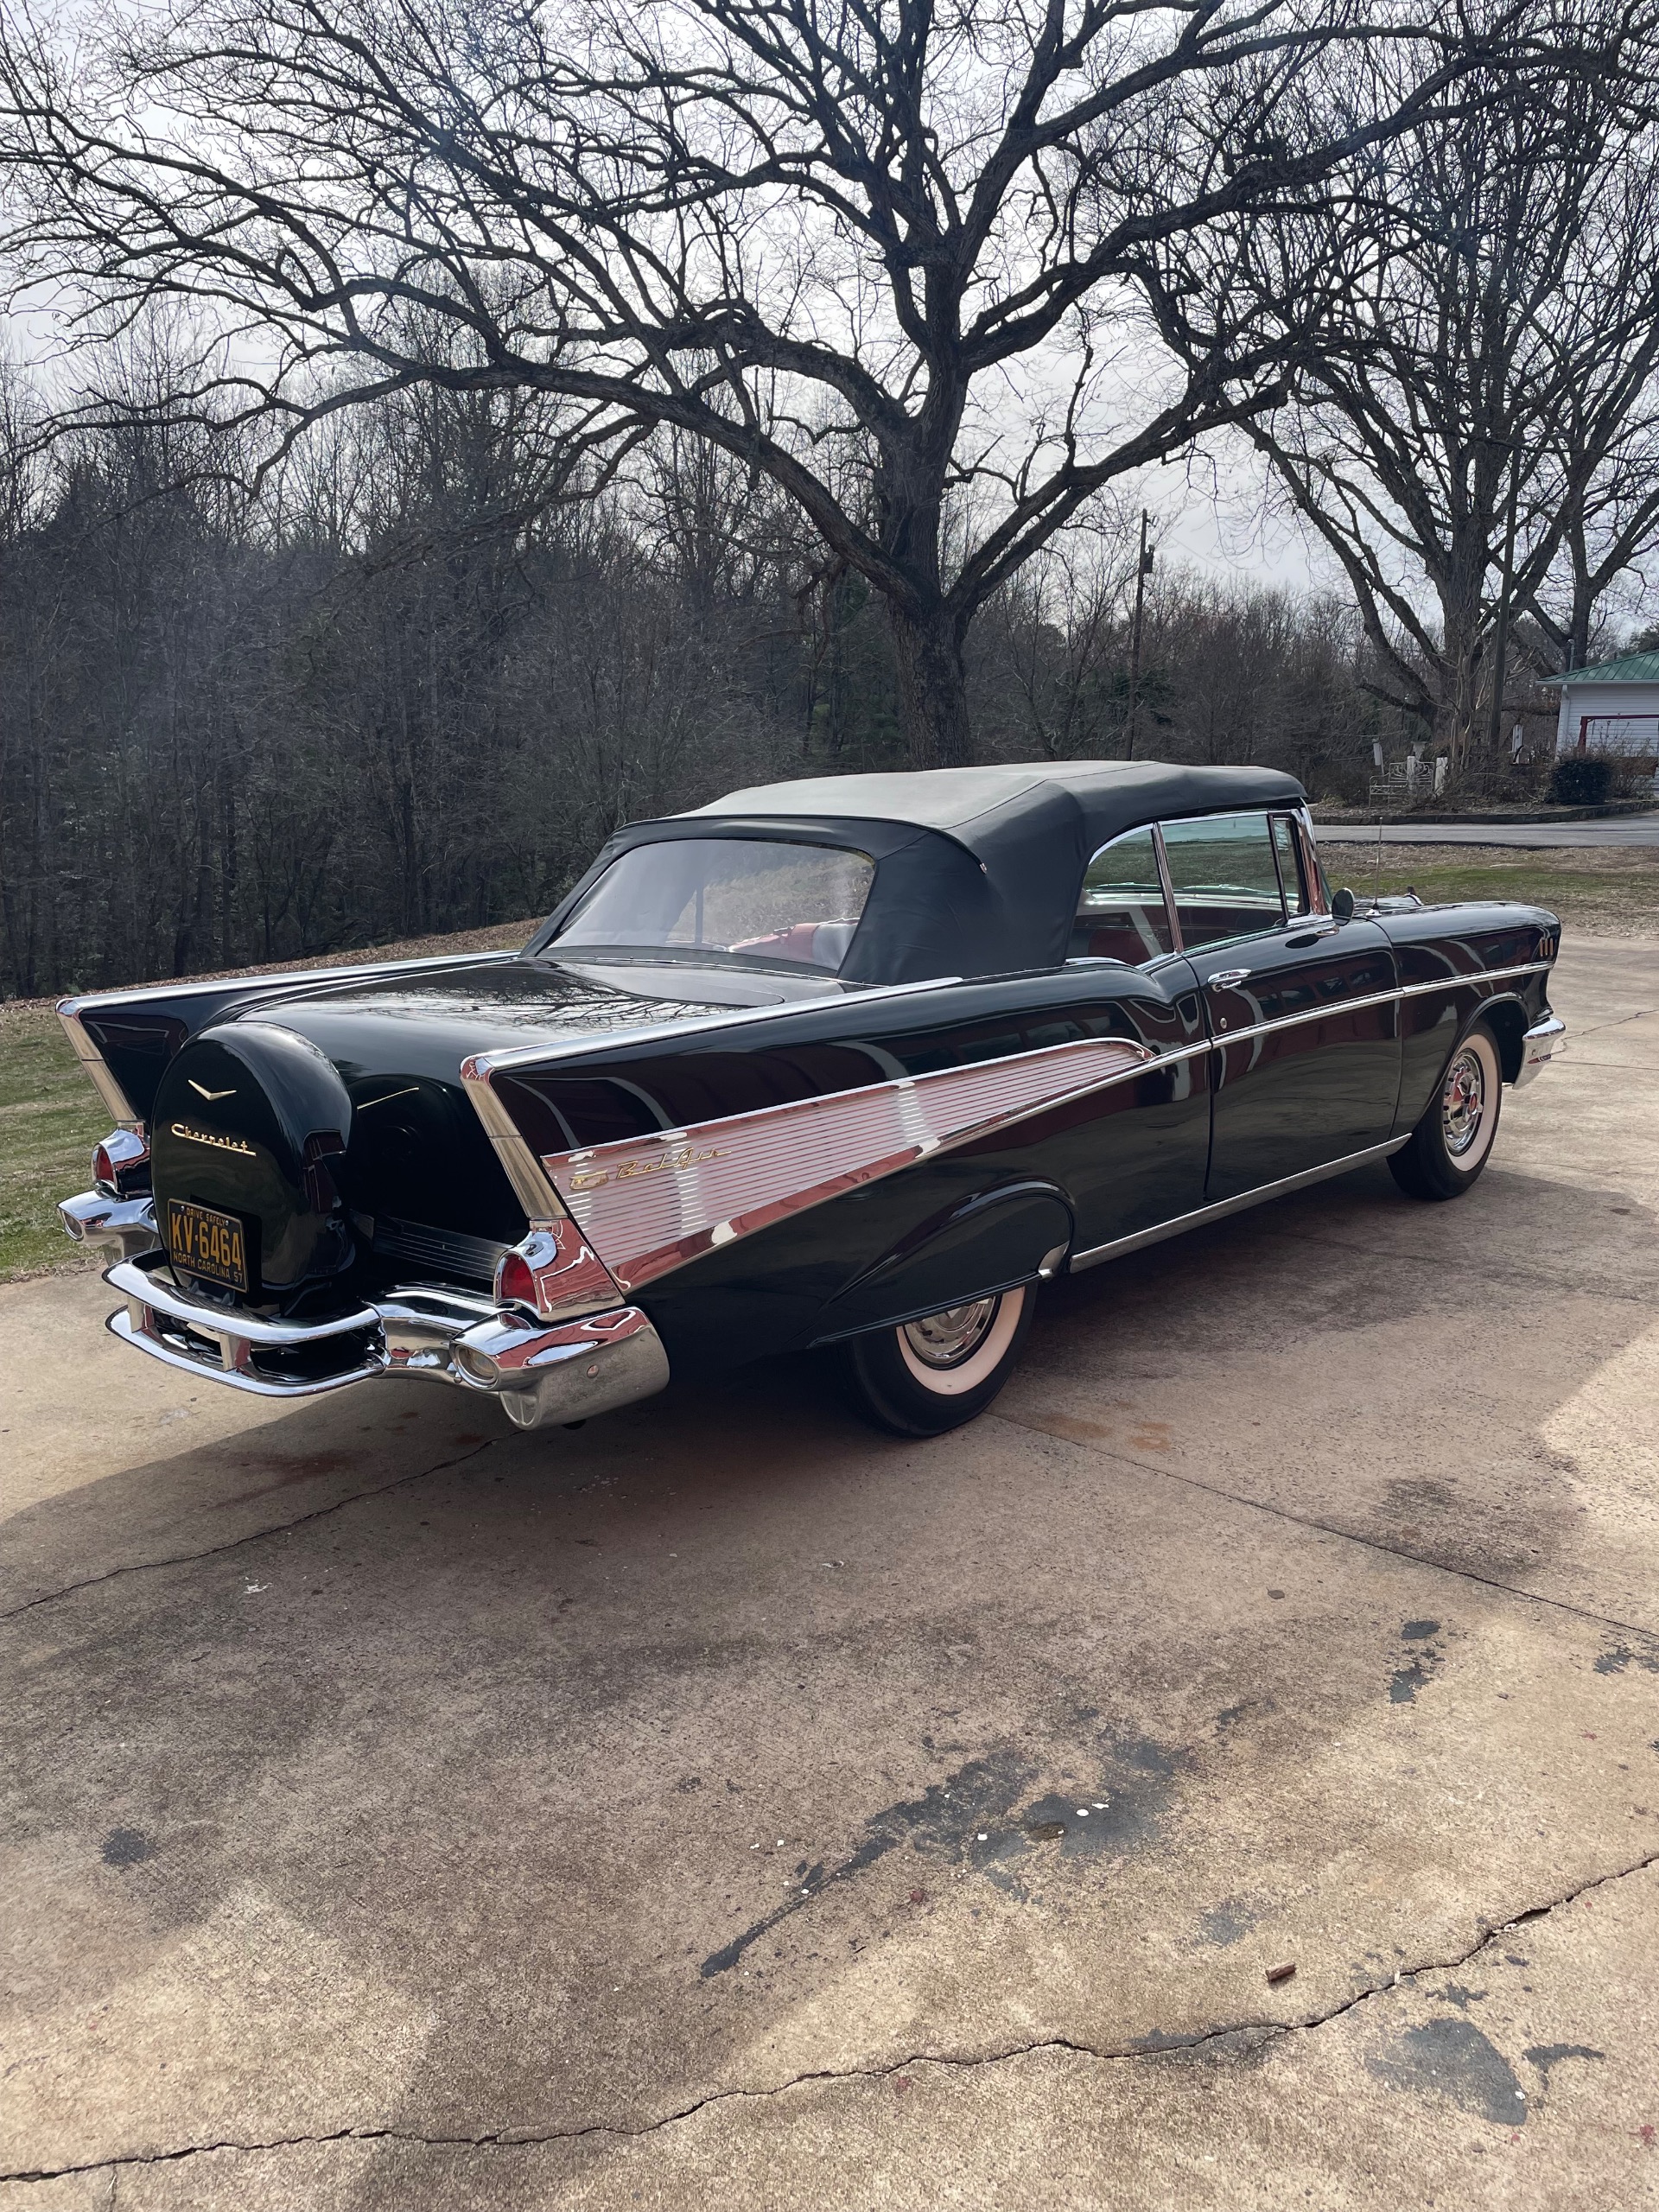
(1143,569)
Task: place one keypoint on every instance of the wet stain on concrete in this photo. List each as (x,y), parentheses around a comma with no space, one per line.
(1225,1924)
(1543,2056)
(934,1823)
(1619,1656)
(1119,1814)
(126,1847)
(1418,1494)
(975,1817)
(1407,1681)
(1452,2058)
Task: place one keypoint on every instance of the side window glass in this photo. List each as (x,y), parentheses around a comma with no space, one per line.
(1225,879)
(1121,914)
(1291,878)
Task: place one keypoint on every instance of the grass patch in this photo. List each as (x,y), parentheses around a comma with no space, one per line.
(50,1119)
(1613,891)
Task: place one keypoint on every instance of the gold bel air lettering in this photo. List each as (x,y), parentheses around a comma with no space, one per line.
(590,1178)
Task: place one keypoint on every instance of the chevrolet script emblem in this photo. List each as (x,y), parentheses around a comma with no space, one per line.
(209,1095)
(219,1144)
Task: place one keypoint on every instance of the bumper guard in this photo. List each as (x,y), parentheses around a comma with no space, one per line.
(563,1372)
(1537,1046)
(124,1227)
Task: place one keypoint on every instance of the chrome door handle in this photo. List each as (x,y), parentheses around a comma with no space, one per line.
(1228,975)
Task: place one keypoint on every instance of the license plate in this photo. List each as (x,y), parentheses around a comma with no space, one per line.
(208,1243)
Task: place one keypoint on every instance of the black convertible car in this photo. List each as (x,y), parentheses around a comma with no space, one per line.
(854,1063)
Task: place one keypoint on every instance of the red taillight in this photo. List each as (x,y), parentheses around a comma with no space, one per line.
(515,1281)
(120,1163)
(321,1192)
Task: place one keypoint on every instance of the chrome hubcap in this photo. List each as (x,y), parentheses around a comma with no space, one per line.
(1463,1102)
(946,1339)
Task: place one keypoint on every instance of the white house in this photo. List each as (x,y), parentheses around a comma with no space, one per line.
(1613,707)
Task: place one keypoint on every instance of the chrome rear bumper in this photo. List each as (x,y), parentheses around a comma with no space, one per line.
(1537,1046)
(563,1372)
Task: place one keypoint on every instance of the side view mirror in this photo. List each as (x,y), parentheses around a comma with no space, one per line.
(1342,906)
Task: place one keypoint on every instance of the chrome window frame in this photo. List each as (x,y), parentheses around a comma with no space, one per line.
(1172,920)
(1222,814)
(1304,889)
(1319,891)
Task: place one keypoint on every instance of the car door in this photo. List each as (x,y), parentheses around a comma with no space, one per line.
(1302,1009)
(1147,1145)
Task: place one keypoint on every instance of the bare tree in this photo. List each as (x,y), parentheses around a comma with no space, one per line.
(1467,418)
(1612,522)
(891,255)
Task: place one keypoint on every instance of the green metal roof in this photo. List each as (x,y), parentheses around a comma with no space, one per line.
(1634,668)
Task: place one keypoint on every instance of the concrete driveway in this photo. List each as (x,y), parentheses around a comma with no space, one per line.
(723,1805)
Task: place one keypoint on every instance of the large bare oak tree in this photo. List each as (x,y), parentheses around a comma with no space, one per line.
(894,255)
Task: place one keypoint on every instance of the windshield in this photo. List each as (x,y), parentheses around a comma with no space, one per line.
(747,899)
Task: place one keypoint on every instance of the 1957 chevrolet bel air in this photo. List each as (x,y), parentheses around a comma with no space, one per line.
(853,1063)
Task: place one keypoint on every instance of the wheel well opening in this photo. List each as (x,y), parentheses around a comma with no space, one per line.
(1508,1022)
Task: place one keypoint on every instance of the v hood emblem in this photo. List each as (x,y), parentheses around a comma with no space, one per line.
(200,1093)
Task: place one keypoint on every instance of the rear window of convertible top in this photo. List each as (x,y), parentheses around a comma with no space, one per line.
(744,899)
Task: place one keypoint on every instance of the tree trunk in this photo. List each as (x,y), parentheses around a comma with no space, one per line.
(1459,671)
(933,686)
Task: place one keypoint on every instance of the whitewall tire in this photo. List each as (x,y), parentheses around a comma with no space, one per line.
(1453,1141)
(936,1372)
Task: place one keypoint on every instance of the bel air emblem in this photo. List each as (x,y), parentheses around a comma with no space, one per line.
(591,1179)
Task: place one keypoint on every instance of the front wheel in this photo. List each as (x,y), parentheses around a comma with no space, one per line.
(1451,1143)
(929,1375)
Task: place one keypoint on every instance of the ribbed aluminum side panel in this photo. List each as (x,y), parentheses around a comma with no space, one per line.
(651,1203)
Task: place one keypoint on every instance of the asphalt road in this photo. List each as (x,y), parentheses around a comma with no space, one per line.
(1617,829)
(722,1805)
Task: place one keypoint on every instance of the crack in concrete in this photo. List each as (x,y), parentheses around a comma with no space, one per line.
(1595,1028)
(1328,1528)
(1142,2048)
(253,1537)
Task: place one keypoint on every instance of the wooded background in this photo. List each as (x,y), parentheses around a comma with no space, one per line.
(432,472)
(366,707)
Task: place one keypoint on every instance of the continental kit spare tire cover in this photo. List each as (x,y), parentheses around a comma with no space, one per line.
(253,1120)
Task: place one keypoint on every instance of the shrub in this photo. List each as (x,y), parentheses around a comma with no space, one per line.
(1581,781)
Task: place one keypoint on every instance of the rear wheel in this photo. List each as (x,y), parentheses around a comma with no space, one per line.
(934,1374)
(1451,1143)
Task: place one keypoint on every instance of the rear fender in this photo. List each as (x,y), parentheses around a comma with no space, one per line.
(987,1242)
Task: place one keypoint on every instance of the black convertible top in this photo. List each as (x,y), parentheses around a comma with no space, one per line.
(978,870)
(976,806)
